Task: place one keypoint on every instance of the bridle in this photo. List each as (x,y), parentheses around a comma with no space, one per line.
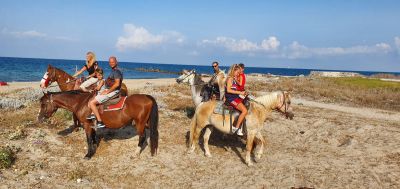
(191,72)
(49,101)
(52,78)
(284,103)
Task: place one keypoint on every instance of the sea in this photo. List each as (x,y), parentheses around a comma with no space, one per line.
(32,69)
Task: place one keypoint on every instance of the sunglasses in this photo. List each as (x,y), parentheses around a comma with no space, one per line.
(215,66)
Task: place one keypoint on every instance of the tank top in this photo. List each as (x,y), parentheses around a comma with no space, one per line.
(241,87)
(229,96)
(92,68)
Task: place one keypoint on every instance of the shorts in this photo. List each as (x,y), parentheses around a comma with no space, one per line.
(88,82)
(236,102)
(103,98)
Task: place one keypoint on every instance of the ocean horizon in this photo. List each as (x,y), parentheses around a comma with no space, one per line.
(15,69)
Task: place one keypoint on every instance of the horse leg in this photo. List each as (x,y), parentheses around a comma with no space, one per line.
(206,137)
(90,139)
(142,137)
(249,147)
(77,124)
(260,142)
(194,134)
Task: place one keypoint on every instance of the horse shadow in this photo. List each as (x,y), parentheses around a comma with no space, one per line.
(68,130)
(221,140)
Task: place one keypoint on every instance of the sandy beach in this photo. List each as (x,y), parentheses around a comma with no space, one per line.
(327,145)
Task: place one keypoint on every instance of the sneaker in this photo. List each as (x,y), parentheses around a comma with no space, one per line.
(99,124)
(239,132)
(234,129)
(91,116)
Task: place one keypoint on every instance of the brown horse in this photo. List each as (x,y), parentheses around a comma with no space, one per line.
(140,108)
(66,83)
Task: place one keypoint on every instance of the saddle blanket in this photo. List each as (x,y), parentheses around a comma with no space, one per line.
(220,108)
(117,106)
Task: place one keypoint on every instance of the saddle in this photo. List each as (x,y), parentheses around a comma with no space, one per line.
(116,103)
(224,108)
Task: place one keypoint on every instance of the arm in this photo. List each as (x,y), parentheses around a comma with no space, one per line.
(101,83)
(79,72)
(112,88)
(229,90)
(241,80)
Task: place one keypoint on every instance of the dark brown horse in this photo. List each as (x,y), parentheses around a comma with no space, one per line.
(140,108)
(66,83)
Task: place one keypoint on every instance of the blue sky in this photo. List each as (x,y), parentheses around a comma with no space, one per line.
(343,34)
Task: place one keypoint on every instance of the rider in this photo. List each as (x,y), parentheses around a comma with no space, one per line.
(90,66)
(212,81)
(241,79)
(232,96)
(113,86)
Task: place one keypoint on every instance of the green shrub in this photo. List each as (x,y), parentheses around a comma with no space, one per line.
(7,157)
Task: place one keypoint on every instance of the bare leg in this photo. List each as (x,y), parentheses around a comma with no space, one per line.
(242,115)
(92,105)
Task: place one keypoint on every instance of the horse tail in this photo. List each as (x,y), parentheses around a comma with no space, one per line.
(153,122)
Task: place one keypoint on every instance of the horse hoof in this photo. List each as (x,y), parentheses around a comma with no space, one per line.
(208,155)
(249,164)
(258,156)
(87,157)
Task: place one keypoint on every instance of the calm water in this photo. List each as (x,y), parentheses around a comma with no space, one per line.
(32,69)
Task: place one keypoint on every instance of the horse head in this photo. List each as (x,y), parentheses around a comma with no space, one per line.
(47,107)
(284,105)
(48,77)
(187,77)
(279,101)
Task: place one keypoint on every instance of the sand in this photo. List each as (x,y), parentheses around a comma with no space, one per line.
(325,146)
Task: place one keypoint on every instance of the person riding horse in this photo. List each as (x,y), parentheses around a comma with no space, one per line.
(211,90)
(233,96)
(90,66)
(113,86)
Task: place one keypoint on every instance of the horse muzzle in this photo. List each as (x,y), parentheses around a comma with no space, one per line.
(289,115)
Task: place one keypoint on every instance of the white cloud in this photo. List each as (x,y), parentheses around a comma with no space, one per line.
(34,34)
(140,38)
(296,50)
(397,43)
(243,45)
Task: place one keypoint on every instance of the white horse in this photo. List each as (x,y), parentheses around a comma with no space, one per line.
(258,112)
(197,84)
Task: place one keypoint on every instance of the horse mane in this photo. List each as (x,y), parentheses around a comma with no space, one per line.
(62,71)
(69,92)
(268,100)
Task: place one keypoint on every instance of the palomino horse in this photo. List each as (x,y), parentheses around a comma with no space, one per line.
(197,84)
(66,83)
(140,108)
(258,112)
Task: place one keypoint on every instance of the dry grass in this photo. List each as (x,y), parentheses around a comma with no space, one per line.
(354,91)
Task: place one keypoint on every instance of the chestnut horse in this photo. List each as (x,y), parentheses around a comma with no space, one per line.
(140,108)
(66,83)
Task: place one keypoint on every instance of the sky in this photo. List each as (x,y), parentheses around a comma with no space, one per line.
(361,35)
